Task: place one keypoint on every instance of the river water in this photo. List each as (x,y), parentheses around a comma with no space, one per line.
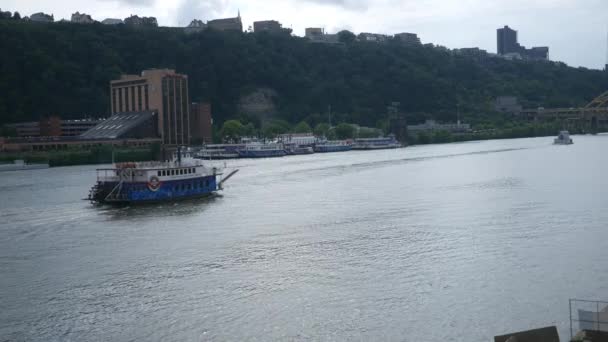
(428,243)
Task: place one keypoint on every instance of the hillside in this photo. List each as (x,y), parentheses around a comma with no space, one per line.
(65,69)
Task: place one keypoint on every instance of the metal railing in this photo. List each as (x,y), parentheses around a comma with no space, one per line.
(591,315)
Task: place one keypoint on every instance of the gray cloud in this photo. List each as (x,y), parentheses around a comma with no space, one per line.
(203,10)
(347,4)
(139,3)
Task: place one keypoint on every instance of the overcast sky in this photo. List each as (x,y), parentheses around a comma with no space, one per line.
(576,31)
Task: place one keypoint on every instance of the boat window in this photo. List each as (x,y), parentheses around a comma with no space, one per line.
(158,173)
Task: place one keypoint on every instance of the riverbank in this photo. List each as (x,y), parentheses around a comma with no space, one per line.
(101,155)
(505,132)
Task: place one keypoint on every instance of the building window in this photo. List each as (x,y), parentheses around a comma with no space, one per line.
(139,107)
(126,98)
(120,99)
(146,97)
(113,100)
(133,99)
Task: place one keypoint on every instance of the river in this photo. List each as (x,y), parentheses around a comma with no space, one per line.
(428,243)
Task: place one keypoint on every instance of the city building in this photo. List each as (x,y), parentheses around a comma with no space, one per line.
(53,126)
(508,46)
(314,33)
(195,26)
(267,26)
(81,18)
(408,38)
(42,17)
(63,143)
(134,20)
(159,90)
(227,24)
(372,37)
(474,53)
(318,35)
(126,125)
(432,125)
(200,123)
(111,21)
(506,41)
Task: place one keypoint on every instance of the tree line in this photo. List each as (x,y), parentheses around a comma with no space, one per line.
(64,69)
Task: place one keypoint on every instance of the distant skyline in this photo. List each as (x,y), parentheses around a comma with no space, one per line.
(575,31)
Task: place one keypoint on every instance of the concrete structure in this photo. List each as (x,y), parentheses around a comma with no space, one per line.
(195,26)
(408,38)
(313,33)
(81,18)
(63,143)
(42,17)
(159,90)
(506,40)
(53,126)
(548,334)
(507,45)
(267,26)
(111,21)
(318,35)
(134,20)
(475,53)
(129,125)
(432,125)
(507,104)
(372,37)
(201,123)
(227,24)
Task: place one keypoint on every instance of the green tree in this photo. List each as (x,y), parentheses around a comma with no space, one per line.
(345,131)
(321,129)
(346,37)
(232,130)
(302,127)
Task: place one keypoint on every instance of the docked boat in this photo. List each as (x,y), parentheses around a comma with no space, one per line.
(563,139)
(376,143)
(131,183)
(219,151)
(292,149)
(261,150)
(332,146)
(19,164)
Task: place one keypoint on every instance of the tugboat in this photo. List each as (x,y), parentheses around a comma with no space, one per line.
(143,182)
(563,139)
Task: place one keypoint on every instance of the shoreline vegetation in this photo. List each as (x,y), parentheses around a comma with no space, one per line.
(105,155)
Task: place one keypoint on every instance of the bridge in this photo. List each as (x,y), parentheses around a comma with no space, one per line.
(590,118)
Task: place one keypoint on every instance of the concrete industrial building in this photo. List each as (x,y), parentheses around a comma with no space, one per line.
(81,18)
(200,123)
(42,17)
(408,38)
(508,46)
(226,24)
(53,126)
(160,90)
(267,26)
